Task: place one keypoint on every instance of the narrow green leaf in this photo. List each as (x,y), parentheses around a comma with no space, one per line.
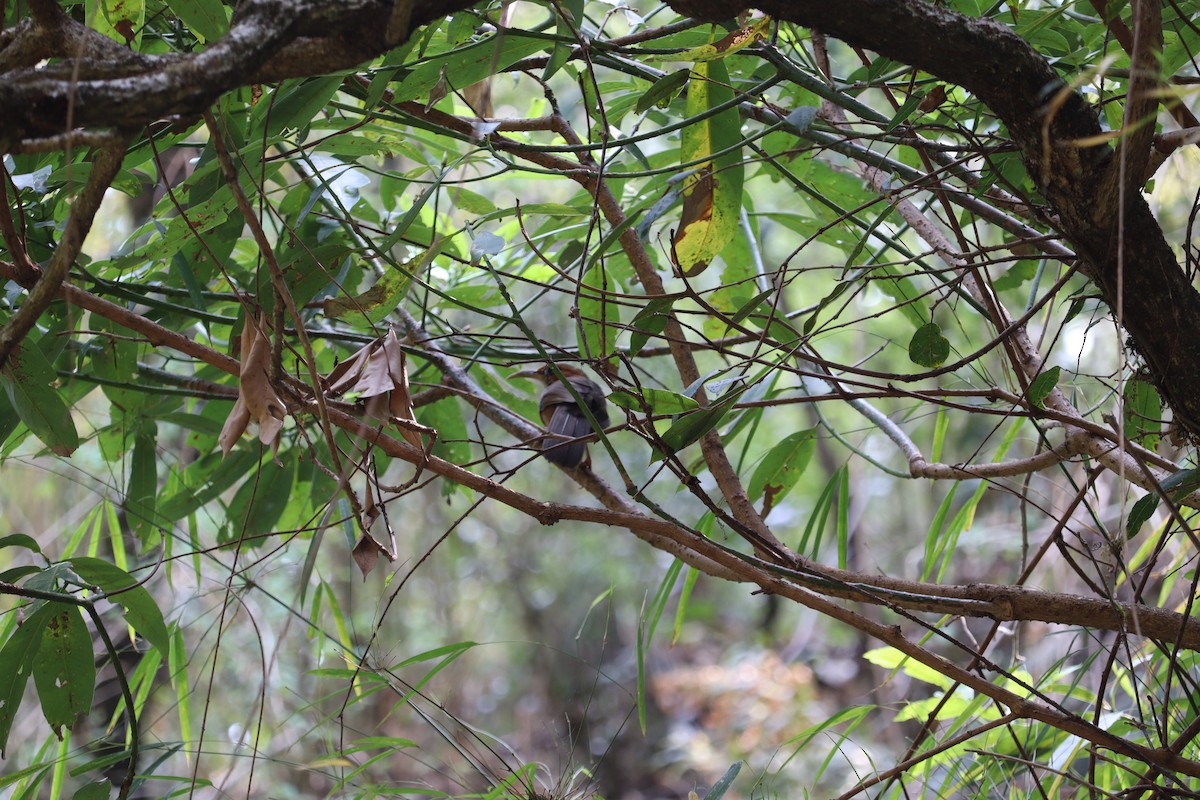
(690,427)
(659,401)
(928,347)
(16,665)
(905,111)
(843,519)
(142,489)
(64,669)
(141,612)
(1043,385)
(663,91)
(1140,514)
(722,785)
(727,45)
(781,468)
(649,322)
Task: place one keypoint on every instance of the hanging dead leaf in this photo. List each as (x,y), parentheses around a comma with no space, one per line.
(378,375)
(256,400)
(366,554)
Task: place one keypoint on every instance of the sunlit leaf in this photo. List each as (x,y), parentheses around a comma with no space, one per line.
(712,195)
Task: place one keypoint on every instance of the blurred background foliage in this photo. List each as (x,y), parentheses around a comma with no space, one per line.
(436,191)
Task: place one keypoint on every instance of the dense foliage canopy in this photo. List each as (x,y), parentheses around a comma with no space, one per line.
(893,302)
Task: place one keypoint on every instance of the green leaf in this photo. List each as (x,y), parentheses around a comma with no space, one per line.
(454,441)
(16,665)
(20,540)
(712,194)
(142,489)
(469,201)
(659,401)
(64,669)
(692,426)
(205,18)
(648,322)
(928,347)
(1143,412)
(96,790)
(293,104)
(1140,514)
(599,317)
(261,500)
(725,46)
(120,587)
(781,468)
(663,91)
(1041,386)
(722,785)
(120,20)
(468,64)
(26,378)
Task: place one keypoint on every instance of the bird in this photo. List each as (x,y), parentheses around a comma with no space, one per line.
(561,413)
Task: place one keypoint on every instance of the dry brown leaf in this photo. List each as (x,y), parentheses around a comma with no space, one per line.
(257,400)
(378,375)
(366,554)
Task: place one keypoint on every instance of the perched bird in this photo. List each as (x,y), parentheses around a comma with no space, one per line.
(562,415)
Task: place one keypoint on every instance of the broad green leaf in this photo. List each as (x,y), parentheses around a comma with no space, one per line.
(1143,412)
(469,201)
(892,659)
(468,64)
(16,665)
(1043,385)
(96,790)
(599,317)
(206,18)
(26,378)
(261,500)
(20,540)
(293,105)
(781,468)
(121,20)
(141,612)
(928,347)
(454,441)
(659,401)
(64,669)
(712,194)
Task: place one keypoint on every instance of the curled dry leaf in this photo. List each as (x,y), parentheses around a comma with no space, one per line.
(377,374)
(257,400)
